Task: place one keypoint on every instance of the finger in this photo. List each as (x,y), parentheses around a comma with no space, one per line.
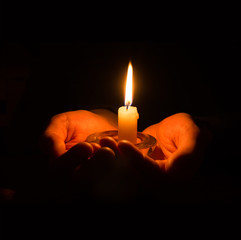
(95,146)
(97,178)
(130,151)
(146,172)
(103,159)
(75,140)
(99,168)
(110,143)
(78,154)
(139,161)
(81,150)
(134,158)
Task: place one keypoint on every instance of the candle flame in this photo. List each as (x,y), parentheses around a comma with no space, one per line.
(129,88)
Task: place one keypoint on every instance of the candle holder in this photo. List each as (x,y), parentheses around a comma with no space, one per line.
(145,142)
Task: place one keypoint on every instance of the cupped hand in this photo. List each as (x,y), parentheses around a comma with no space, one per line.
(181,144)
(114,172)
(119,170)
(67,129)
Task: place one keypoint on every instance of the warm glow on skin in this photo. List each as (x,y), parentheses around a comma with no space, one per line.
(69,128)
(179,151)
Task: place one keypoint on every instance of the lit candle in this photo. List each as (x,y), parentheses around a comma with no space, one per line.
(128,115)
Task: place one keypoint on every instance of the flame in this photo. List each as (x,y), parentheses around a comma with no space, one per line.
(129,87)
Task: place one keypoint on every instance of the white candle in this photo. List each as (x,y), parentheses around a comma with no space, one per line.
(128,115)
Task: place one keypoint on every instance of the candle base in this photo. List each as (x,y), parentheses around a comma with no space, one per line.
(145,142)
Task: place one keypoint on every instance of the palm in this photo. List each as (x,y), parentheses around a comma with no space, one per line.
(174,132)
(179,142)
(69,128)
(83,123)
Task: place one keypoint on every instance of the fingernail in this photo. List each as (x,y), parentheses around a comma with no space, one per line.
(105,152)
(109,142)
(95,146)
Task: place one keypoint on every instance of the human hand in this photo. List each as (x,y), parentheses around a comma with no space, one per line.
(181,144)
(67,129)
(108,171)
(63,142)
(77,166)
(112,166)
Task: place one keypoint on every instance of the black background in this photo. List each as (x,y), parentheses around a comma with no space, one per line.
(186,58)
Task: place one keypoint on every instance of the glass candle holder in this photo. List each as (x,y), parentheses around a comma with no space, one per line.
(145,142)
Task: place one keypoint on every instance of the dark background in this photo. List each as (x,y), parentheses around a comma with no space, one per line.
(57,58)
(185,59)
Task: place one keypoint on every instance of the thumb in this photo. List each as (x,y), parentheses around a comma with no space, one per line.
(67,162)
(62,169)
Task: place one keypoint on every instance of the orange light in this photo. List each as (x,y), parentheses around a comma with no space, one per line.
(129,87)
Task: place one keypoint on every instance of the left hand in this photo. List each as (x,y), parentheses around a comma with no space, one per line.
(67,129)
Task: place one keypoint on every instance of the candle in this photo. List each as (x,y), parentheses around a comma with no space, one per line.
(128,115)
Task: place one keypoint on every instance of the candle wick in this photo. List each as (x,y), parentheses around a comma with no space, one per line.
(128,105)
